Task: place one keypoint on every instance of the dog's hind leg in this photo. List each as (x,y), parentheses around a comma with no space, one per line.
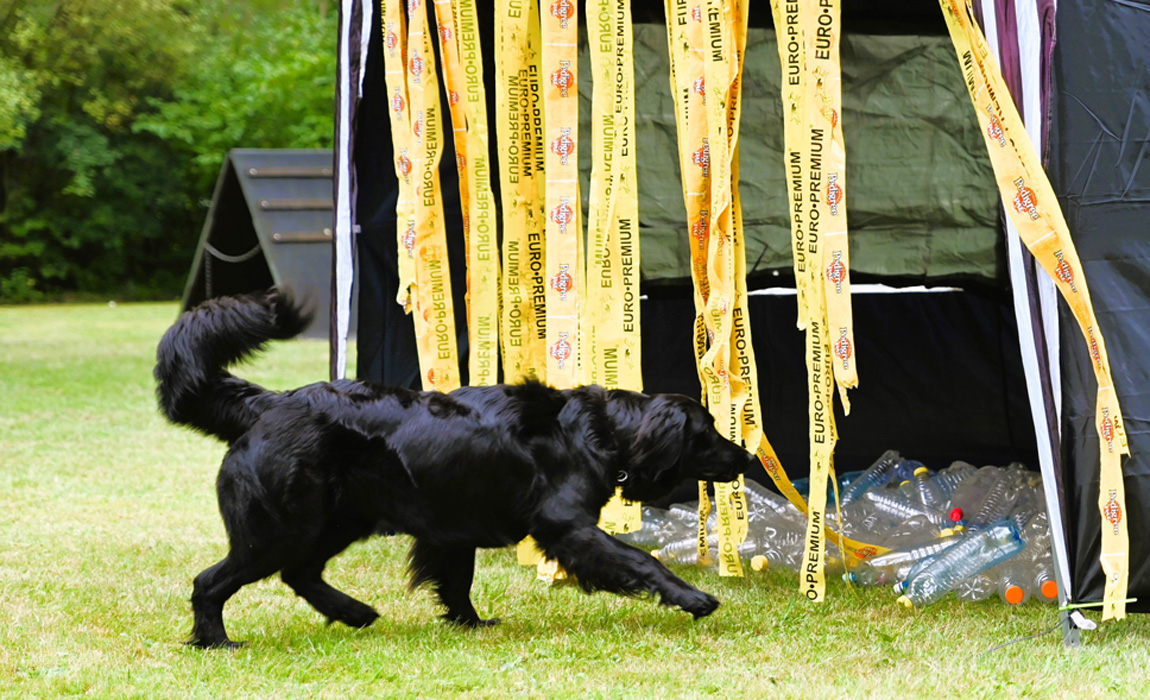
(602,563)
(450,569)
(306,578)
(212,588)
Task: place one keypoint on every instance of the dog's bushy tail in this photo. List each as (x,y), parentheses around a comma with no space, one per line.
(194,387)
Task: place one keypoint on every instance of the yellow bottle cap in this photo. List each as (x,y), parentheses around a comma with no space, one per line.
(905,602)
(759,562)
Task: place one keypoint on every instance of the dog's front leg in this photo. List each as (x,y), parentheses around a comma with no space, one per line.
(601,562)
(450,570)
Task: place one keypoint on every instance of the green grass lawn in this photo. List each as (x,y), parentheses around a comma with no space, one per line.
(108,513)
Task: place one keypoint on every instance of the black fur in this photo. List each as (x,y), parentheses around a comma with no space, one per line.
(310,471)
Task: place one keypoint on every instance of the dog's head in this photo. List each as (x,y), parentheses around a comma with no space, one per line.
(672,438)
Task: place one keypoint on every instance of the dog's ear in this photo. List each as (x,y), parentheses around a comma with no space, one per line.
(660,440)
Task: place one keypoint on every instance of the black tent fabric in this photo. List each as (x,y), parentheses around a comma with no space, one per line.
(947,377)
(1098,166)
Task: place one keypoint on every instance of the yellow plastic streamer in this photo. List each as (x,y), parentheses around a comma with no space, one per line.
(792,56)
(611,314)
(463,72)
(433,305)
(394,21)
(1033,208)
(828,211)
(521,161)
(563,239)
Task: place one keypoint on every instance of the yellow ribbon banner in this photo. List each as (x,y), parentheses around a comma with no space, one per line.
(792,56)
(521,162)
(563,239)
(463,71)
(828,211)
(1033,208)
(434,309)
(611,314)
(612,295)
(394,21)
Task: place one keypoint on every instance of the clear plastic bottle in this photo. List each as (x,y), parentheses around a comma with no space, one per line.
(910,555)
(867,574)
(1013,585)
(997,502)
(927,488)
(1043,583)
(684,551)
(972,589)
(898,508)
(973,489)
(950,478)
(976,552)
(876,474)
(914,571)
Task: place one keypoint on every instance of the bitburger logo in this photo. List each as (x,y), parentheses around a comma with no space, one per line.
(561,350)
(460,162)
(699,87)
(453,98)
(562,282)
(417,127)
(563,11)
(563,146)
(702,158)
(563,78)
(834,193)
(413,5)
(562,214)
(1113,510)
(1025,202)
(697,13)
(445,33)
(1064,271)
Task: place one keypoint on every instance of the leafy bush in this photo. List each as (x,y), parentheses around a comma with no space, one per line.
(115,118)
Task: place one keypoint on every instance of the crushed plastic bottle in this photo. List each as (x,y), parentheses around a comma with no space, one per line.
(929,493)
(968,505)
(978,551)
(876,474)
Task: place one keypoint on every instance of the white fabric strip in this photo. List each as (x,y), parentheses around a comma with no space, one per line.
(343,233)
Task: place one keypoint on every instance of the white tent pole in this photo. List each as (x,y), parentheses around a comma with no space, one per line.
(1030,40)
(343,225)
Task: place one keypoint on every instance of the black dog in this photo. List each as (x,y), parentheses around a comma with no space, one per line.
(310,471)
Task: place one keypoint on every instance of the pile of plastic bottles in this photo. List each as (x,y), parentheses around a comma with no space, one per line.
(976,532)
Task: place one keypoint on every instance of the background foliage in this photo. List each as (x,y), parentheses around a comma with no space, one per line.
(116,117)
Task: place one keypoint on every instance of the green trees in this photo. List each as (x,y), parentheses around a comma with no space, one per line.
(115,117)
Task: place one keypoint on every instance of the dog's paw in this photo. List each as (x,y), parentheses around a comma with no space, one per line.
(358,616)
(700,604)
(220,644)
(471,621)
